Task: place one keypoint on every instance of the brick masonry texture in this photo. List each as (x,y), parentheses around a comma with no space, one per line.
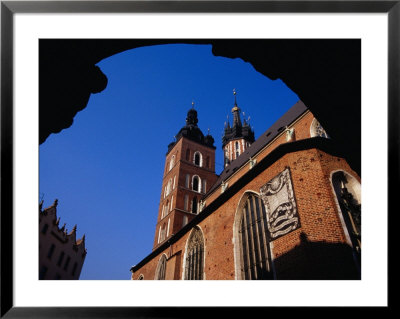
(318,249)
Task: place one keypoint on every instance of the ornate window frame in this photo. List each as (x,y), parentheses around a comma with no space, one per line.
(161,268)
(237,243)
(315,125)
(195,239)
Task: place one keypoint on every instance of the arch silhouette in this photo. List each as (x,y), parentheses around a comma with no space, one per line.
(68,75)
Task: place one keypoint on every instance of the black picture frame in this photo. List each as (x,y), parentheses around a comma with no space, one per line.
(9,8)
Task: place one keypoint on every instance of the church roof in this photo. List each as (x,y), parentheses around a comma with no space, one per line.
(192,132)
(238,129)
(291,115)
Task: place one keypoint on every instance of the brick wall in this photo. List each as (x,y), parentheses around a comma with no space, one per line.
(318,249)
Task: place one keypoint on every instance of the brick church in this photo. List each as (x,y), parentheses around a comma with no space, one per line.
(286,206)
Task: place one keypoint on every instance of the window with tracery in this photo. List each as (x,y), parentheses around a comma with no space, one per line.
(161,267)
(348,194)
(194,261)
(316,129)
(255,253)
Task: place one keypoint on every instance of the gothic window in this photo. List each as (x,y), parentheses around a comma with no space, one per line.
(160,270)
(196,183)
(170,206)
(198,159)
(348,194)
(173,185)
(194,261)
(204,186)
(255,256)
(194,205)
(317,130)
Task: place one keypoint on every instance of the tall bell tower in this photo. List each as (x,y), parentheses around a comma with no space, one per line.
(238,137)
(188,174)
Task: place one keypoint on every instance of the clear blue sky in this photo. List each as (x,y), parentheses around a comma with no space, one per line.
(106,169)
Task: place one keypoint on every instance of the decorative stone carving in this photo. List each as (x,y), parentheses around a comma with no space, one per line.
(280,205)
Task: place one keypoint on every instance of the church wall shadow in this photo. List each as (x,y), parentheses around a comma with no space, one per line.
(317,261)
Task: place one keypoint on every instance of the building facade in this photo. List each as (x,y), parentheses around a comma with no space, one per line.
(286,206)
(61,254)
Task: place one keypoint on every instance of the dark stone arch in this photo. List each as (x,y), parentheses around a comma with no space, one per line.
(325,74)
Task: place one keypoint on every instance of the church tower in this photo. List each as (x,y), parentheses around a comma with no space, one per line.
(189,173)
(237,138)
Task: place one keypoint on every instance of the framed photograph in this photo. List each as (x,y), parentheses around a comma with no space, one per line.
(95,97)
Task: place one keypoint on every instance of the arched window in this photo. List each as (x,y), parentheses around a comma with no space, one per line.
(253,239)
(317,130)
(194,259)
(348,194)
(198,159)
(172,162)
(196,183)
(237,148)
(194,205)
(160,270)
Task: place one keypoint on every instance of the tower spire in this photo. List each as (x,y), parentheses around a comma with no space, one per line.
(235,111)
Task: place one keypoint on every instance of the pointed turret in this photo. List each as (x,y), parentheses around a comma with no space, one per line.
(192,131)
(238,137)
